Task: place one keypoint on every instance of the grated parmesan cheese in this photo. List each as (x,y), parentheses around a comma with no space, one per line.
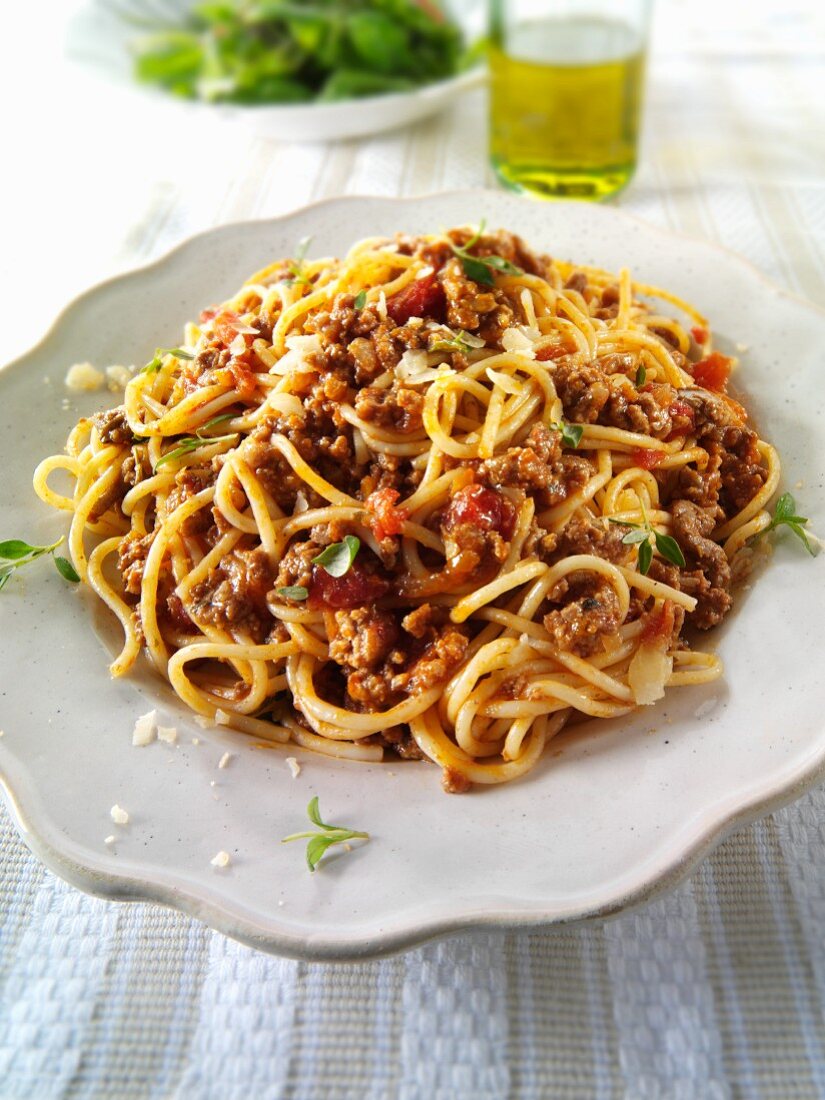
(117,378)
(221,859)
(222,718)
(196,740)
(204,722)
(517,342)
(294,766)
(504,382)
(296,360)
(381,306)
(119,815)
(109,839)
(169,734)
(224,760)
(144,731)
(83,378)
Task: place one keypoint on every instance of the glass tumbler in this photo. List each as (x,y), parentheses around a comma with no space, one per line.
(566,81)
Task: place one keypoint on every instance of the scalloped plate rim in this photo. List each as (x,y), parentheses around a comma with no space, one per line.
(404,934)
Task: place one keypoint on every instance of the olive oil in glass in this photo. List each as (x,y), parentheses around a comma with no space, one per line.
(565,99)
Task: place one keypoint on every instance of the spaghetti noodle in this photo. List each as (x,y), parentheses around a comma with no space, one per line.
(433,499)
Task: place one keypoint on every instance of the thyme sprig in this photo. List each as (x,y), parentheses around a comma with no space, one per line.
(784,515)
(644,536)
(480,268)
(154,364)
(320,842)
(15,553)
(189,443)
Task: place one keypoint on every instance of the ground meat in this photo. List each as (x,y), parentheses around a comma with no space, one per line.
(401,742)
(592,614)
(113,427)
(439,659)
(701,486)
(577,281)
(272,469)
(420,620)
(363,641)
(707,576)
(233,596)
(397,408)
(538,466)
(582,535)
(131,558)
(742,472)
(467,301)
(647,412)
(582,389)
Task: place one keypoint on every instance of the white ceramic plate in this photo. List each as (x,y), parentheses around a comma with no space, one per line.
(615,812)
(99,39)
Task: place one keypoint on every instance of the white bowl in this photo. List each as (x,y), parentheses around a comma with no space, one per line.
(100,40)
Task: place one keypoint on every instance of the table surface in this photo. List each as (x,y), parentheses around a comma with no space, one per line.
(716,990)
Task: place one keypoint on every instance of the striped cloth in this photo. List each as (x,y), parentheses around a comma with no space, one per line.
(715,991)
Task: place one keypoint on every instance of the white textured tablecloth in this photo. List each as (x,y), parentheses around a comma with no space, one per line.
(715,991)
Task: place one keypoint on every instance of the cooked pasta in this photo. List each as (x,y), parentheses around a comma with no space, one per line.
(430,500)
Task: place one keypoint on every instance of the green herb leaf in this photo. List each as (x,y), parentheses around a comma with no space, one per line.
(641,375)
(623,522)
(18,553)
(66,570)
(784,514)
(571,434)
(500,264)
(645,556)
(154,364)
(13,549)
(293,592)
(337,558)
(669,548)
(296,266)
(480,268)
(314,814)
(191,443)
(639,535)
(320,842)
(461,341)
(360,299)
(476,270)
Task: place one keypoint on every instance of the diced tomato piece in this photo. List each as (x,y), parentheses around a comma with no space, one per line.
(679,408)
(647,457)
(550,352)
(713,372)
(245,379)
(226,330)
(484,509)
(383,516)
(658,628)
(421,298)
(356,588)
(699,334)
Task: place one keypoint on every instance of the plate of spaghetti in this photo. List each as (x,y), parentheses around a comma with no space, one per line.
(499,504)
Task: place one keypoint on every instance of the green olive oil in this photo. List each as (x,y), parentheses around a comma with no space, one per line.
(565,105)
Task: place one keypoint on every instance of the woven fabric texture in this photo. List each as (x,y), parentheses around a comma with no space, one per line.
(715,991)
